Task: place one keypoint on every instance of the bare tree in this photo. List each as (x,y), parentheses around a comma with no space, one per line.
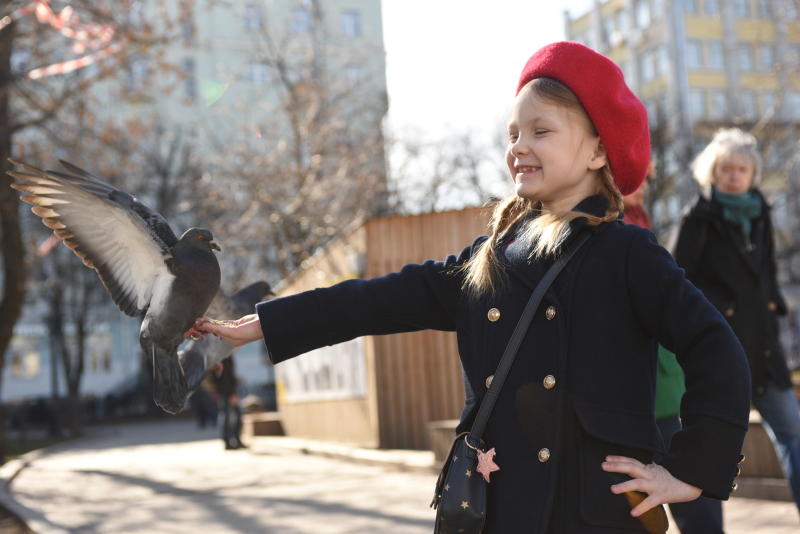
(311,162)
(453,172)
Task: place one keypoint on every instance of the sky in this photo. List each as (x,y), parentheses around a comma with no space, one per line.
(453,65)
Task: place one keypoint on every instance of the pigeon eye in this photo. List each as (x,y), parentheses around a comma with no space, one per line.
(200,237)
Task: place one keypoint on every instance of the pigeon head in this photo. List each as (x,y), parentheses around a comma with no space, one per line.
(199,238)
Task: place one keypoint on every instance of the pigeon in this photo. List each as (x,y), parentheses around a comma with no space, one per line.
(147,270)
(201,354)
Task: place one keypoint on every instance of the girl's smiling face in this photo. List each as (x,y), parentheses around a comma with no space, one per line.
(553,155)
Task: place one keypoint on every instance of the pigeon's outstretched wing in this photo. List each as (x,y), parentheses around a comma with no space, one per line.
(127,243)
(200,355)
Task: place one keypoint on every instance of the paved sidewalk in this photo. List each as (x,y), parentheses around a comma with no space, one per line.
(170,477)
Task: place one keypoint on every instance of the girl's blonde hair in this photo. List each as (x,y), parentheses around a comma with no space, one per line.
(726,143)
(544,232)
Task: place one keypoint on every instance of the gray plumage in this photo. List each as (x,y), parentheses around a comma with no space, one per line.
(146,269)
(200,355)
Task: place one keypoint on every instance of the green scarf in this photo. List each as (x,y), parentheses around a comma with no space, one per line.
(740,209)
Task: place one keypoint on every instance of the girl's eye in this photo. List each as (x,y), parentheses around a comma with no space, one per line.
(541,131)
(512,137)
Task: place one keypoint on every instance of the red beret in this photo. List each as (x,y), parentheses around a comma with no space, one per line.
(619,117)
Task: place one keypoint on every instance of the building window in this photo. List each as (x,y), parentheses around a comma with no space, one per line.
(301,21)
(741,8)
(694,58)
(626,72)
(718,105)
(744,54)
(662,61)
(643,14)
(608,29)
(767,103)
(697,105)
(714,58)
(351,23)
(711,7)
(190,82)
(253,17)
(352,74)
(766,57)
(763,8)
(259,72)
(20,59)
(793,105)
(137,74)
(656,9)
(690,7)
(622,21)
(136,14)
(749,107)
(647,66)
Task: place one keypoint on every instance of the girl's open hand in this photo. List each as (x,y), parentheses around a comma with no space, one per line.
(659,484)
(237,332)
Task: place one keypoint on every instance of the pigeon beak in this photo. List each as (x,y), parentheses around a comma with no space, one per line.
(214,246)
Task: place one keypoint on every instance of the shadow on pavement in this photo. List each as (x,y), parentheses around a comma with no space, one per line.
(242,523)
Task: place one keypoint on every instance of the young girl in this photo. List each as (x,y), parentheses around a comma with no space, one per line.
(573,428)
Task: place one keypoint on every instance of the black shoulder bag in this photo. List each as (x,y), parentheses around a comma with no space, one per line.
(460,497)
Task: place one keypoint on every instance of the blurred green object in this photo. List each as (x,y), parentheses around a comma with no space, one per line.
(670,385)
(18,447)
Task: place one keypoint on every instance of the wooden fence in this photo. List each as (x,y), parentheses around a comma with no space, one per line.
(411,379)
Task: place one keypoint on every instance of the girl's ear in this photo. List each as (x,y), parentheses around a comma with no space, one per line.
(599,158)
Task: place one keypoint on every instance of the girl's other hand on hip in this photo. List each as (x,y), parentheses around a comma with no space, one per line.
(654,480)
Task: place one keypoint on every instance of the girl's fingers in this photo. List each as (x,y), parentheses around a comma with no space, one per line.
(634,470)
(636,484)
(649,503)
(612,458)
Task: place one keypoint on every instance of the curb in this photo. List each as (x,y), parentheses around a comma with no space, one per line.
(31,521)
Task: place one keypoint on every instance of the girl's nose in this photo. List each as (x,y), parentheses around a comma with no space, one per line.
(519,147)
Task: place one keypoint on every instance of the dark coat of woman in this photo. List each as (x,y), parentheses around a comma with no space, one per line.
(738,276)
(582,385)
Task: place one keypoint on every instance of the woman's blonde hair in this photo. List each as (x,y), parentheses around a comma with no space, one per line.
(726,143)
(544,232)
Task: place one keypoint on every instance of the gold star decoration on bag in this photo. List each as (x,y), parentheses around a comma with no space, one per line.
(469,473)
(464,505)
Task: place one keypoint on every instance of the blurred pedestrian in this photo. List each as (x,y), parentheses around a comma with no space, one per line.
(726,246)
(703,515)
(227,385)
(204,403)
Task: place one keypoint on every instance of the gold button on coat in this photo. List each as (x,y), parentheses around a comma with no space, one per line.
(493,314)
(549,382)
(489,381)
(734,487)
(544,455)
(550,313)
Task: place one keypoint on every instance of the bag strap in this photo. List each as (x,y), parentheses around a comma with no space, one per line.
(488,402)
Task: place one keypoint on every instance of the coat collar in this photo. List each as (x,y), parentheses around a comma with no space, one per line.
(530,272)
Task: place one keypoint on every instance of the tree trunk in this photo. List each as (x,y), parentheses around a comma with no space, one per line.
(10,233)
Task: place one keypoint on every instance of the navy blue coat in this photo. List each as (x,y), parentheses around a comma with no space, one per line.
(583,383)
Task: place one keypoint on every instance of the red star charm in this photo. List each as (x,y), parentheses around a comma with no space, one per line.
(486,465)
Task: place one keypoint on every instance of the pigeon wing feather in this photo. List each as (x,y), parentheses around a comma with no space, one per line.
(127,243)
